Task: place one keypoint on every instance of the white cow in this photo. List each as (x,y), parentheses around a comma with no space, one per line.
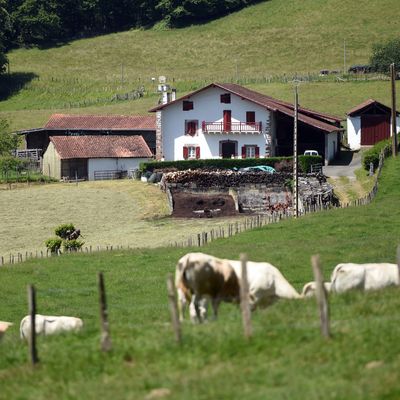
(364,276)
(199,276)
(3,327)
(266,283)
(310,288)
(49,325)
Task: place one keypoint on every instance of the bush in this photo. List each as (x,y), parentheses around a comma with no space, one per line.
(372,155)
(10,163)
(228,163)
(72,245)
(53,244)
(64,230)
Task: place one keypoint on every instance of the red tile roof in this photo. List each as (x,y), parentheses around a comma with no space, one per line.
(365,104)
(110,146)
(101,122)
(325,122)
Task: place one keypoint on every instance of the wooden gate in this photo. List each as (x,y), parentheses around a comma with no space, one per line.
(374,128)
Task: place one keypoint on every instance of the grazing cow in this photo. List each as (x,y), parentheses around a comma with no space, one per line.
(266,283)
(364,276)
(310,287)
(200,276)
(49,325)
(3,327)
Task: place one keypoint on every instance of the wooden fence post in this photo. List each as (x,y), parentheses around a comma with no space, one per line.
(105,340)
(173,306)
(244,299)
(321,295)
(32,336)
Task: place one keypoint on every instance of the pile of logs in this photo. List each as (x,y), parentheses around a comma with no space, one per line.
(223,178)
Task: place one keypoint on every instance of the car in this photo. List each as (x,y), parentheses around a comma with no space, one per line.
(311,153)
(262,168)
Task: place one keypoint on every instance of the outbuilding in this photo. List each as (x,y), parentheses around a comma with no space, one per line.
(369,123)
(94,157)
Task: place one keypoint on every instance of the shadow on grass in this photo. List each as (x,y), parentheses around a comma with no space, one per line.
(12,83)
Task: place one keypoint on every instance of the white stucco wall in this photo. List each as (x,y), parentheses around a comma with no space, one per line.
(112,164)
(354,132)
(207,107)
(331,142)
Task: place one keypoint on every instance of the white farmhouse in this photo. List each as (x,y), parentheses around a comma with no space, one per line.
(225,120)
(369,123)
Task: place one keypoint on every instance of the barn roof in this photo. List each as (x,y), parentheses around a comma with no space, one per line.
(101,122)
(323,121)
(114,146)
(366,104)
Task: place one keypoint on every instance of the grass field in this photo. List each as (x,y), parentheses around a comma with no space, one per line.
(268,39)
(286,359)
(109,213)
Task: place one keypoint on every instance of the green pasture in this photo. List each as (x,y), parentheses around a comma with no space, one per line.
(262,46)
(108,213)
(286,358)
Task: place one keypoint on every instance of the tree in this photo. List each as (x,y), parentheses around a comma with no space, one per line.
(5,29)
(384,54)
(8,141)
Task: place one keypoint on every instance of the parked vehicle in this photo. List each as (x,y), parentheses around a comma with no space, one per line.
(256,168)
(311,153)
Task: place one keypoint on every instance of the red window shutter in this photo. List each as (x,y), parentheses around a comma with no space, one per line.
(243,151)
(197,152)
(185,152)
(257,152)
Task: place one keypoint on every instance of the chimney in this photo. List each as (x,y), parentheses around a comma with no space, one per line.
(164,98)
(173,95)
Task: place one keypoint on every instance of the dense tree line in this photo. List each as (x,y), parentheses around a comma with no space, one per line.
(42,22)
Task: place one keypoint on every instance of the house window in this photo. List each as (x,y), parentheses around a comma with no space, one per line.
(226,98)
(191,152)
(187,105)
(191,127)
(250,117)
(250,151)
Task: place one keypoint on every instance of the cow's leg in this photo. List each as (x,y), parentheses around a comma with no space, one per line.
(215,304)
(181,304)
(196,301)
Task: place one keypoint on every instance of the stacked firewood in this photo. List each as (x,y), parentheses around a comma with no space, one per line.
(223,178)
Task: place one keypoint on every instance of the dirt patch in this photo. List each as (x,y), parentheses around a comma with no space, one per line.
(201,205)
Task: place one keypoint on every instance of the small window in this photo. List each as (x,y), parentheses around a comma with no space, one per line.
(191,152)
(250,117)
(187,105)
(250,151)
(191,127)
(226,98)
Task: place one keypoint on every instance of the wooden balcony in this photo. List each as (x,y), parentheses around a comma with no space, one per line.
(252,128)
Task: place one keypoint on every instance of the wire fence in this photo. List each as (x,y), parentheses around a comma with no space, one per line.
(203,238)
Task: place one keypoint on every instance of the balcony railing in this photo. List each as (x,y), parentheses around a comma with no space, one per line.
(231,127)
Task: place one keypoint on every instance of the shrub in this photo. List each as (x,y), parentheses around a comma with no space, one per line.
(72,245)
(64,230)
(228,163)
(53,244)
(372,154)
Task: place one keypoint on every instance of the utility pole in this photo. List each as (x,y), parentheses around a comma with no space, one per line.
(344,56)
(122,74)
(394,127)
(295,159)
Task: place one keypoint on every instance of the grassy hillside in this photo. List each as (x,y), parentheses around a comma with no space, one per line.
(285,359)
(271,38)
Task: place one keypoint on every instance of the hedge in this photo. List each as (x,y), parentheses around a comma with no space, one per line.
(229,163)
(372,154)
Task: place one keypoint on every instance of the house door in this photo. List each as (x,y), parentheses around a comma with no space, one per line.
(227,120)
(374,128)
(228,149)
